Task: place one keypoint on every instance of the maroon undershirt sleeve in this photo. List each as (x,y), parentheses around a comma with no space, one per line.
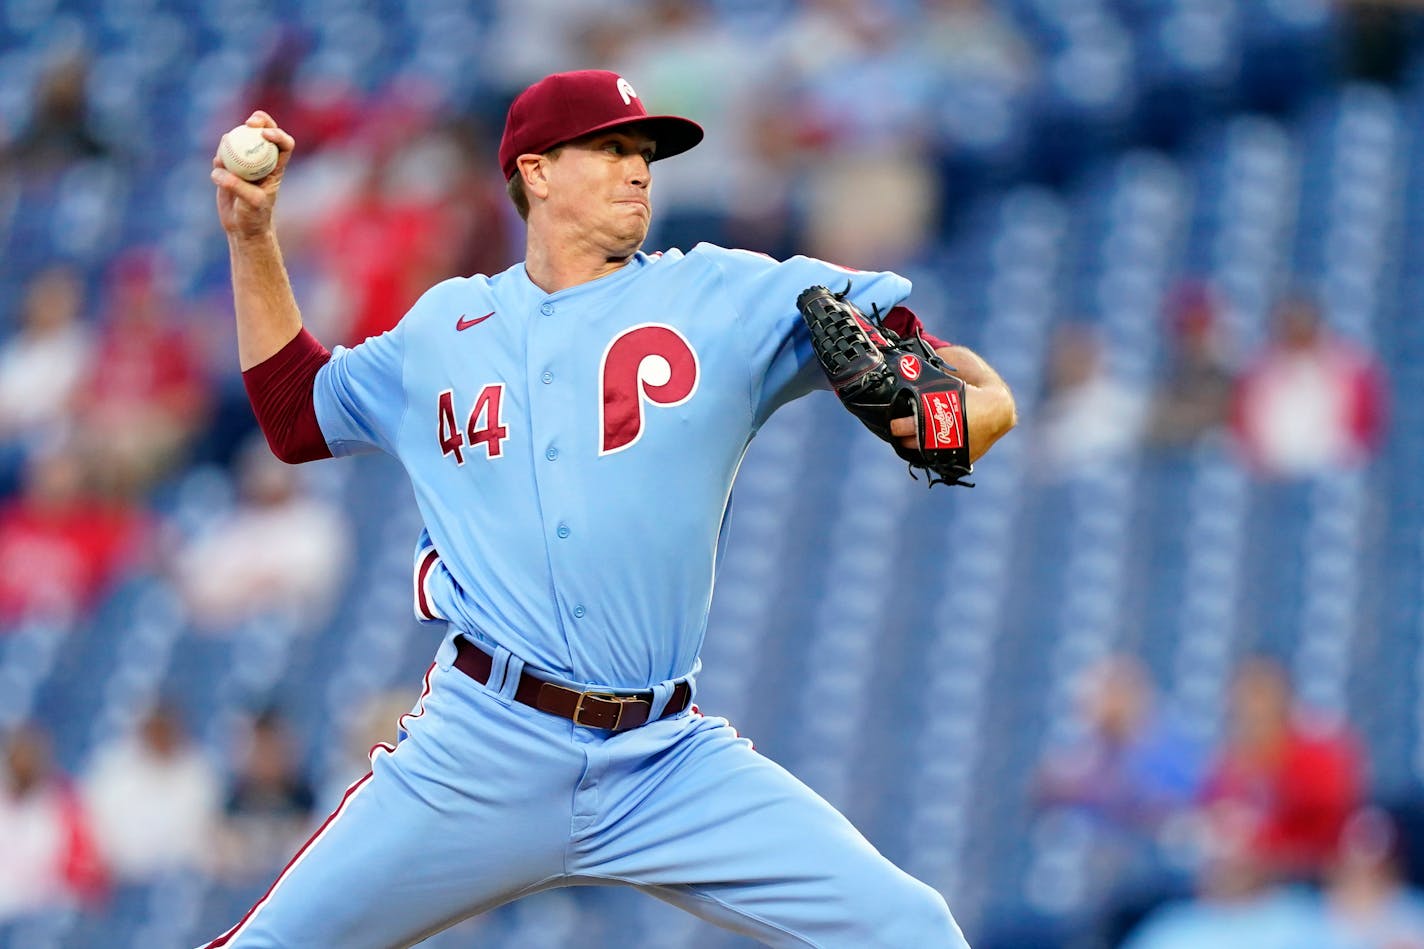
(280,390)
(904,322)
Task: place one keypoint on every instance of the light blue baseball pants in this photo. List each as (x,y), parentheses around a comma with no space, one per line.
(486,800)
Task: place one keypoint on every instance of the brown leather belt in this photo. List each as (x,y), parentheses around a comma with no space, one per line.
(615,713)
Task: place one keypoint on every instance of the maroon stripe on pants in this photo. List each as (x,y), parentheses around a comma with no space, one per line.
(228,936)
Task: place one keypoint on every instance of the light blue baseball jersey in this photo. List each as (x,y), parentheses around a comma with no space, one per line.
(573,453)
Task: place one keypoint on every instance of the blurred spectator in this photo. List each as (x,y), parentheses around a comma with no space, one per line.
(691,62)
(398,232)
(50,860)
(280,550)
(147,395)
(530,38)
(762,213)
(1286,780)
(155,799)
(975,38)
(1237,907)
(269,808)
(983,70)
(60,130)
(862,87)
(48,354)
(1134,773)
(871,195)
(1367,905)
(1312,402)
(1088,418)
(317,110)
(462,156)
(872,210)
(1194,400)
(61,546)
(1134,766)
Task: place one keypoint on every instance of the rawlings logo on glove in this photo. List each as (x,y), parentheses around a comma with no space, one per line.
(942,413)
(881,377)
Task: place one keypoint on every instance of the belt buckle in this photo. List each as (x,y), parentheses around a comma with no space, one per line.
(620,701)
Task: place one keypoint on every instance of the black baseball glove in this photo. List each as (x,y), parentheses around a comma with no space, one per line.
(880,376)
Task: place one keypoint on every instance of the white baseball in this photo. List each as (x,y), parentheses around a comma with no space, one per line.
(245,153)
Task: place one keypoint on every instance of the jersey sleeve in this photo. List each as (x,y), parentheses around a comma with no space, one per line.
(360,395)
(764,292)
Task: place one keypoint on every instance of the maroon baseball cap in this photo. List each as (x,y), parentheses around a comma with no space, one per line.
(570,105)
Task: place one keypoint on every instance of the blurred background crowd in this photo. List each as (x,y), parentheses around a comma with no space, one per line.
(1166,687)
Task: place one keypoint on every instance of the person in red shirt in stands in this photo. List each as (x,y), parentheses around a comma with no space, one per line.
(424,209)
(1312,402)
(61,547)
(148,393)
(1286,781)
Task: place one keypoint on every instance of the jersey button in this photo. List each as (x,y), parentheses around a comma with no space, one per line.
(563,530)
(551,454)
(547,309)
(579,611)
(548,377)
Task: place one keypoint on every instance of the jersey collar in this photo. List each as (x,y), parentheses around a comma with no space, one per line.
(635,263)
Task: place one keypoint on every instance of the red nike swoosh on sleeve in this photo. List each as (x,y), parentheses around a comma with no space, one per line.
(463,324)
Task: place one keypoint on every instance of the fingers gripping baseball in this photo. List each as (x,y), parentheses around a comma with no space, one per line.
(245,207)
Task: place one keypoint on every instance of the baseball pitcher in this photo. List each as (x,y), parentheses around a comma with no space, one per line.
(572,427)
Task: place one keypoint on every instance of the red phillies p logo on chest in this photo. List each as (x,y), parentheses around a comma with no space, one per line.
(652,363)
(944,420)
